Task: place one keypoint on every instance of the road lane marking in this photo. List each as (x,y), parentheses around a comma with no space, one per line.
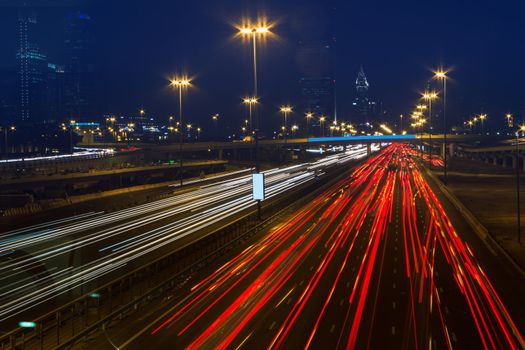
(244,341)
(284,298)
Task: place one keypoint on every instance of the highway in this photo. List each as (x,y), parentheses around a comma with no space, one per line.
(46,265)
(374,262)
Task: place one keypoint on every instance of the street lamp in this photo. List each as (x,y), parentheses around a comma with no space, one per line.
(250,101)
(482,118)
(321,124)
(309,116)
(442,75)
(180,83)
(198,133)
(518,214)
(471,124)
(215,119)
(285,110)
(71,124)
(11,128)
(429,96)
(294,128)
(510,121)
(253,32)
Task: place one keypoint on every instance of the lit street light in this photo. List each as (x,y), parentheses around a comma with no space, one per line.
(308,117)
(254,32)
(510,121)
(180,83)
(6,129)
(285,110)
(429,96)
(321,124)
(250,101)
(442,75)
(482,118)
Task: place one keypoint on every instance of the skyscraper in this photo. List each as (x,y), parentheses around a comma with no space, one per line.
(315,59)
(32,67)
(364,107)
(79,91)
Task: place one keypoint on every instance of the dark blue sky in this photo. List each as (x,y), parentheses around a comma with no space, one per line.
(140,43)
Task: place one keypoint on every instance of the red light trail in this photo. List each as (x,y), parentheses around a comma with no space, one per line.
(347,234)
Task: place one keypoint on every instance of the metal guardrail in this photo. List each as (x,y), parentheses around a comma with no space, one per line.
(88,313)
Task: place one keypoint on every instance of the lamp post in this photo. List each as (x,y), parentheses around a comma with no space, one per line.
(285,110)
(510,121)
(430,96)
(321,124)
(180,83)
(309,116)
(254,33)
(482,118)
(417,115)
(215,119)
(71,124)
(518,209)
(11,128)
(294,128)
(442,75)
(250,101)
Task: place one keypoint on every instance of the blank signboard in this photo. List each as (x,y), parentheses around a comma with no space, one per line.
(258,187)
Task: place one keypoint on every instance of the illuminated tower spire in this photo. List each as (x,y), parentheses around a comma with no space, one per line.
(361,82)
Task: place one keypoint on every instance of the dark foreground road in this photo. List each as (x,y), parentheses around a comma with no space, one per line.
(373,262)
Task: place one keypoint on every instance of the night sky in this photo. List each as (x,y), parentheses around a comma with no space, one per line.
(141,43)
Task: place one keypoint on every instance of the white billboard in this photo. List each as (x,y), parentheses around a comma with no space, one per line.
(258,186)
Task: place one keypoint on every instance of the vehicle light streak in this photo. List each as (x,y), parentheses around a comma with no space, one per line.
(357,209)
(115,240)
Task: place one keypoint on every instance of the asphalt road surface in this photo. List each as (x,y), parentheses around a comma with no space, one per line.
(377,261)
(49,264)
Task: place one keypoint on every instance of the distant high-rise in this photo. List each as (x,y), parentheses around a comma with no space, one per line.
(364,107)
(32,67)
(79,89)
(316,59)
(317,95)
(55,91)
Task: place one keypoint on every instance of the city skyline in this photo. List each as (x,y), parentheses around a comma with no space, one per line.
(161,62)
